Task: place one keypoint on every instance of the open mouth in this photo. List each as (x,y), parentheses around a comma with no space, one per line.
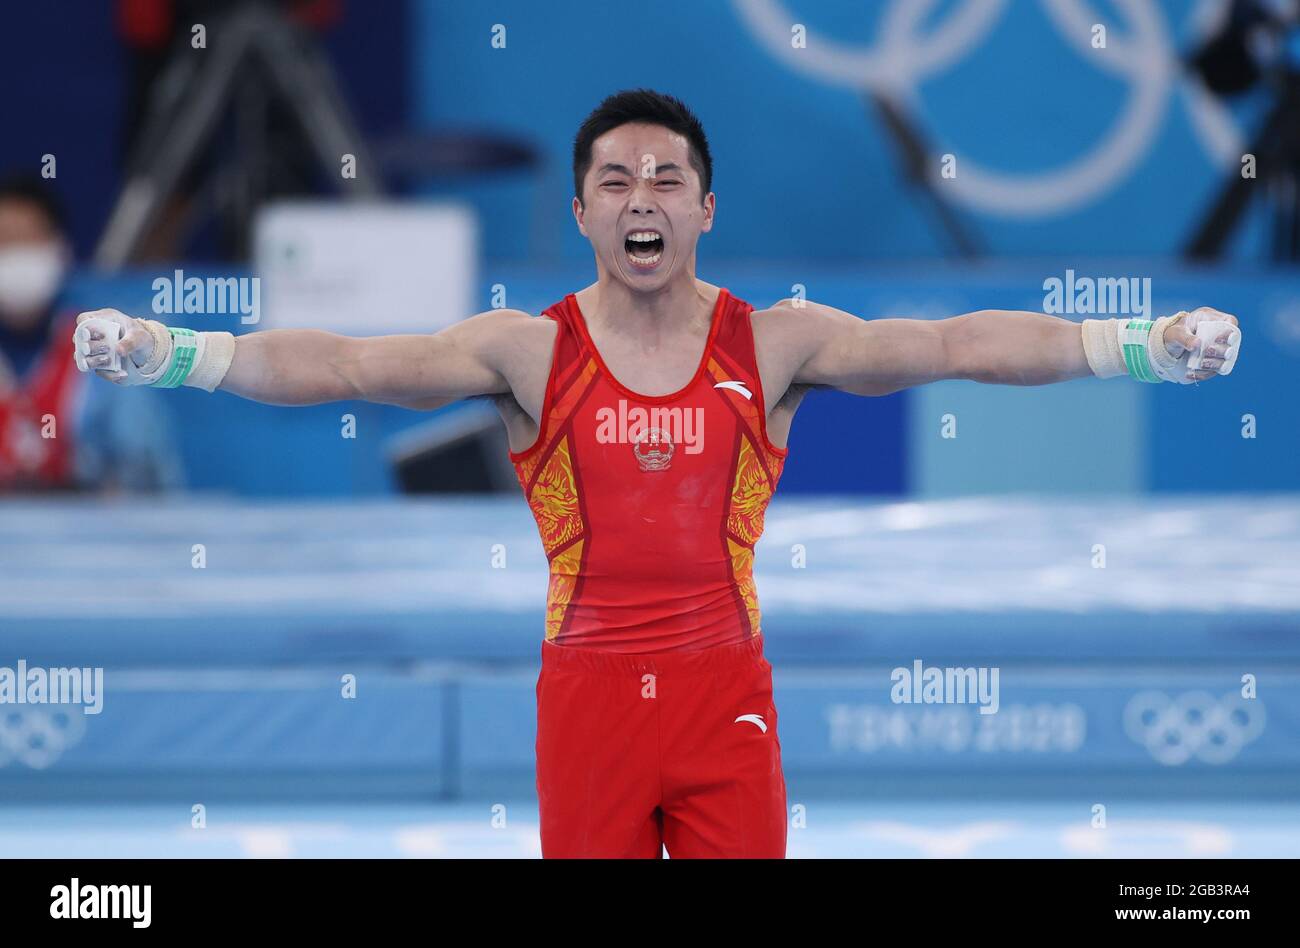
(644,248)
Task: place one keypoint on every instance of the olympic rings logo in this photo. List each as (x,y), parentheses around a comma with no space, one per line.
(902,57)
(1193,725)
(37,737)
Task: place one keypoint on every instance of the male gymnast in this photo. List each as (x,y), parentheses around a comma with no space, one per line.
(647,417)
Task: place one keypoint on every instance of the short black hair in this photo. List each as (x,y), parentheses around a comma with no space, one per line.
(34,190)
(651,108)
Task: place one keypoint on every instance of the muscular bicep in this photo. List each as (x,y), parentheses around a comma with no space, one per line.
(309,367)
(468,359)
(872,357)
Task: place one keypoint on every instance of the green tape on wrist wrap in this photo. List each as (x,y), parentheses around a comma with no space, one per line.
(1134,336)
(184,345)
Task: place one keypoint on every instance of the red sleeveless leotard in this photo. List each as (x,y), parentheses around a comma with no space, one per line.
(649,507)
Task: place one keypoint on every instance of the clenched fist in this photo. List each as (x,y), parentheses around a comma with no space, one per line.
(1213,351)
(131,342)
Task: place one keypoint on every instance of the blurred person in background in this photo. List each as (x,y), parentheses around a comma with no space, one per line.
(55,432)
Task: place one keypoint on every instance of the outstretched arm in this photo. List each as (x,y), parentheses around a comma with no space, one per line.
(876,357)
(308,367)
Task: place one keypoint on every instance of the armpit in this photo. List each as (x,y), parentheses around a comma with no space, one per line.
(794,395)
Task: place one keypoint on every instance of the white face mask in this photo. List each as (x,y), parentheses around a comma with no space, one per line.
(30,277)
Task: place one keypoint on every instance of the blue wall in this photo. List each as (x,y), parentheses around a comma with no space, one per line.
(802,170)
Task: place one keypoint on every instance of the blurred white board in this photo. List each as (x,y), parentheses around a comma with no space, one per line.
(366,268)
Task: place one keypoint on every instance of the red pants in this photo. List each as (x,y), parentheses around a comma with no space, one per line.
(675,749)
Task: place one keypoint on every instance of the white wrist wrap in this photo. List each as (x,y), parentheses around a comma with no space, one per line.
(216,350)
(1133,347)
(1101,346)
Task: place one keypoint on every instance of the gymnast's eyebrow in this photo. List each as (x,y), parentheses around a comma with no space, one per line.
(623,169)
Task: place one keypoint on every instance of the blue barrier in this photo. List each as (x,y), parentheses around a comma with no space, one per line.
(450,732)
(228,679)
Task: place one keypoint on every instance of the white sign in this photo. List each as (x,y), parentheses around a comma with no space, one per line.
(366,268)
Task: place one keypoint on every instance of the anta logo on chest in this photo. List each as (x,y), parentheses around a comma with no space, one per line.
(655,434)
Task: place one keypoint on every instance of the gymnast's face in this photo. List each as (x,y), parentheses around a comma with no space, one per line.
(642,208)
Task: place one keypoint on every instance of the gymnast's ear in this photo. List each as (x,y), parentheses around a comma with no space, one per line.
(578,212)
(710,208)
